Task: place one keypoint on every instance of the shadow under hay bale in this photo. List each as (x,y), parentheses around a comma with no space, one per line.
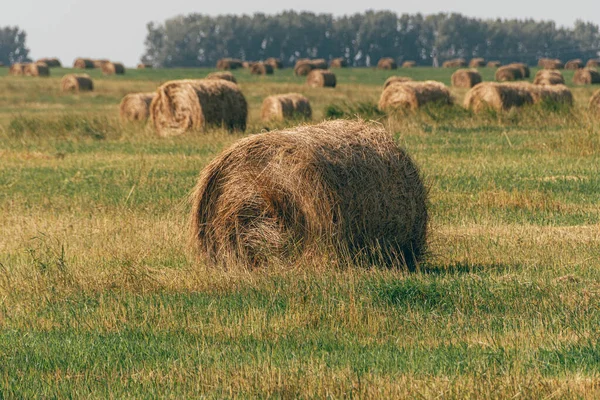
(226,75)
(574,64)
(321,78)
(112,68)
(338,63)
(387,63)
(36,69)
(454,63)
(229,63)
(342,190)
(396,78)
(465,78)
(83,63)
(508,73)
(493,64)
(504,96)
(477,62)
(548,77)
(409,64)
(185,105)
(76,83)
(136,106)
(261,69)
(586,76)
(50,62)
(413,95)
(288,106)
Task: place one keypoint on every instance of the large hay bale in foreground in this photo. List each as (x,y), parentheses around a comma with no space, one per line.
(261,69)
(477,62)
(548,77)
(550,63)
(594,104)
(76,83)
(466,78)
(504,96)
(586,76)
(83,63)
(226,75)
(412,95)
(508,73)
(524,68)
(136,106)
(51,62)
(493,64)
(17,69)
(409,64)
(321,78)
(36,69)
(574,64)
(338,63)
(454,63)
(185,105)
(112,68)
(396,78)
(340,190)
(593,63)
(276,63)
(285,106)
(229,63)
(387,63)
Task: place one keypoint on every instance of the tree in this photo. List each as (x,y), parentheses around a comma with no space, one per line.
(12,45)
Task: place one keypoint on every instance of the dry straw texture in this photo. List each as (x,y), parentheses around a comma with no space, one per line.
(226,75)
(508,73)
(274,62)
(338,63)
(494,64)
(574,64)
(548,77)
(396,78)
(144,66)
(112,68)
(524,68)
(476,63)
(17,69)
(455,63)
(341,190)
(185,105)
(77,83)
(83,63)
(387,63)
(285,106)
(321,78)
(229,63)
(409,64)
(261,69)
(50,62)
(466,78)
(593,63)
(36,69)
(504,96)
(549,63)
(136,106)
(586,76)
(412,95)
(595,102)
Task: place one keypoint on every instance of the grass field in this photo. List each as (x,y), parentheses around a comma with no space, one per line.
(99,296)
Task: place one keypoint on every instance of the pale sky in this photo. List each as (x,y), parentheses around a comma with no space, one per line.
(116,29)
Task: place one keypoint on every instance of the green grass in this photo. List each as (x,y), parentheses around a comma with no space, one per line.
(100,297)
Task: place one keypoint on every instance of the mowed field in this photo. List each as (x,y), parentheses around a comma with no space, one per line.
(100,296)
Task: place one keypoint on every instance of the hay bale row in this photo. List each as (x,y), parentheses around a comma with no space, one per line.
(493,64)
(321,78)
(340,188)
(194,104)
(112,68)
(387,63)
(574,64)
(409,64)
(550,63)
(229,63)
(76,83)
(51,62)
(454,63)
(275,63)
(83,63)
(260,68)
(548,77)
(477,63)
(466,78)
(338,63)
(226,75)
(396,78)
(285,106)
(136,106)
(504,96)
(586,76)
(412,95)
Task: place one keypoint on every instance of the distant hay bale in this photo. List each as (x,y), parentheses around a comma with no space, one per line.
(508,73)
(466,78)
(454,63)
(285,106)
(136,106)
(548,77)
(184,105)
(387,63)
(413,95)
(83,63)
(229,63)
(574,64)
(524,68)
(248,64)
(551,93)
(586,76)
(409,64)
(17,69)
(274,62)
(504,96)
(303,68)
(112,68)
(36,69)
(594,104)
(261,69)
(476,62)
(226,75)
(593,63)
(549,63)
(144,66)
(50,62)
(341,190)
(493,64)
(339,63)
(396,78)
(98,63)
(319,63)
(321,78)
(77,83)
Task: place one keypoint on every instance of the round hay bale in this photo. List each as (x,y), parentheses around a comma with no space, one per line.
(83,63)
(319,63)
(144,66)
(593,63)
(98,63)
(50,62)
(466,78)
(477,62)
(76,83)
(454,63)
(303,68)
(586,76)
(321,78)
(184,105)
(261,69)
(548,77)
(248,64)
(112,68)
(285,106)
(508,73)
(274,62)
(549,63)
(594,104)
(396,78)
(387,63)
(574,64)
(136,106)
(338,63)
(412,95)
(409,64)
(524,68)
(493,64)
(340,189)
(229,63)
(17,69)
(551,93)
(226,75)
(36,69)
(497,96)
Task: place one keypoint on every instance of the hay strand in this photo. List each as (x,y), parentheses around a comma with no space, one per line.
(229,63)
(409,64)
(51,62)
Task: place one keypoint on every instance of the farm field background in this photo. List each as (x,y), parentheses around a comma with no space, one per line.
(99,295)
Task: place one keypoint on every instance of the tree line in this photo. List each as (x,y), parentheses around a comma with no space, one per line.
(200,40)
(12,45)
